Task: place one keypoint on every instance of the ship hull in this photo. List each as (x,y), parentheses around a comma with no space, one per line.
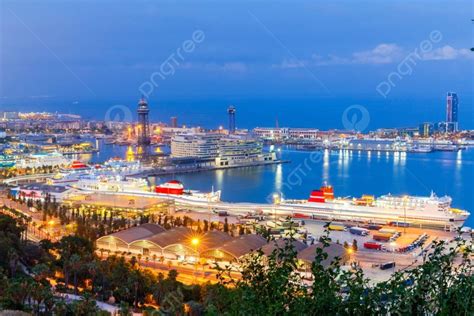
(375,214)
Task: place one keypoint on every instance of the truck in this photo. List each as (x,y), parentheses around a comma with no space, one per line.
(387,265)
(301,216)
(337,227)
(359,231)
(382,237)
(387,231)
(372,226)
(372,245)
(399,224)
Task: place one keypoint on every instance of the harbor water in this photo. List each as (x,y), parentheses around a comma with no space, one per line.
(351,173)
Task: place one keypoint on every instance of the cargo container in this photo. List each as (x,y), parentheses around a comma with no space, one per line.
(399,224)
(372,226)
(337,227)
(382,237)
(223,213)
(387,231)
(387,265)
(301,216)
(359,231)
(373,245)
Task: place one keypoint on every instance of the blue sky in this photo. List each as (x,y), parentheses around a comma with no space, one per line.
(98,50)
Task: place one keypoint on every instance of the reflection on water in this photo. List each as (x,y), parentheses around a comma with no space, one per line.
(352,173)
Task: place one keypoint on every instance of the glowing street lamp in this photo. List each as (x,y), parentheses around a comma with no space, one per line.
(195,242)
(393,245)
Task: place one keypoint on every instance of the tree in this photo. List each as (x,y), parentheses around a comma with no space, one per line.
(75,264)
(226,226)
(442,285)
(354,245)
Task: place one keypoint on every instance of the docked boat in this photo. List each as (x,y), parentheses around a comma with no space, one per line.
(6,162)
(109,184)
(42,160)
(411,210)
(175,188)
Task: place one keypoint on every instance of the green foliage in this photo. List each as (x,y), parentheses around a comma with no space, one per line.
(442,285)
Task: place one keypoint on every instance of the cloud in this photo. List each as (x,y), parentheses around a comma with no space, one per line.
(381,54)
(230,67)
(384,53)
(447,53)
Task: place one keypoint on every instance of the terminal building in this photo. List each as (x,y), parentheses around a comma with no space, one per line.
(219,150)
(183,244)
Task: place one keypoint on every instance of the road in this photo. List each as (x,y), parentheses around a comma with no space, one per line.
(187,273)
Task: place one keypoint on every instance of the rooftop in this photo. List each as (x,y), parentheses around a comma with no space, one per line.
(138,232)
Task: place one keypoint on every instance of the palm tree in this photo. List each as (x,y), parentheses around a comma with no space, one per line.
(75,264)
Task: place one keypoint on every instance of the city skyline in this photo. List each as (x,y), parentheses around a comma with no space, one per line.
(233,157)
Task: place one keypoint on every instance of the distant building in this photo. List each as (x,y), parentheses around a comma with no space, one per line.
(144,124)
(174,121)
(231,111)
(10,115)
(39,191)
(222,150)
(198,145)
(277,133)
(408,131)
(241,150)
(426,129)
(452,104)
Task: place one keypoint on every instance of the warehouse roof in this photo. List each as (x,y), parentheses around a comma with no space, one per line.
(173,236)
(136,233)
(213,239)
(242,245)
(281,243)
(333,250)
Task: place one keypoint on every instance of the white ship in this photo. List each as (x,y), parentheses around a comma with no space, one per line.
(175,189)
(111,184)
(387,209)
(107,184)
(42,160)
(112,168)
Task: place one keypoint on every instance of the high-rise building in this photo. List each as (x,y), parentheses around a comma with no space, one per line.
(452,111)
(231,111)
(426,129)
(143,125)
(174,121)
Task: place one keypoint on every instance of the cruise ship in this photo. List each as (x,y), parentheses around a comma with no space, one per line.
(42,160)
(175,188)
(111,184)
(6,162)
(387,209)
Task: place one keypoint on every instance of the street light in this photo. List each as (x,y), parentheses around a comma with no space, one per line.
(276,200)
(195,242)
(405,200)
(393,244)
(350,251)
